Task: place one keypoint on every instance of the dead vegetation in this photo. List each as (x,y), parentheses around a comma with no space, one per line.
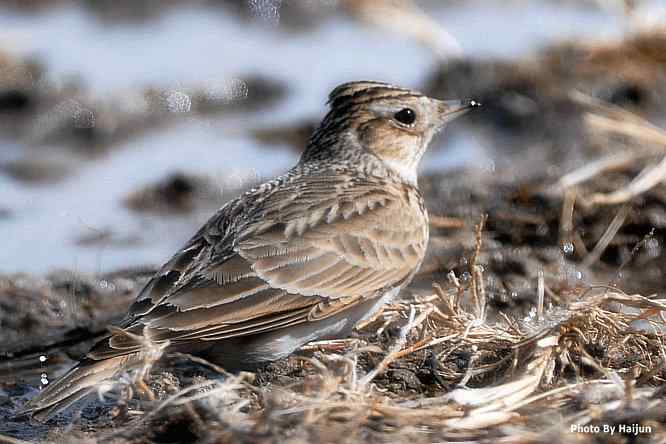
(596,359)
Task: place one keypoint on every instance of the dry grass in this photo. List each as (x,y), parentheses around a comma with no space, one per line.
(536,367)
(647,147)
(596,358)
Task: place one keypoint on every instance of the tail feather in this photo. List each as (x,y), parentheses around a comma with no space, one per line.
(78,383)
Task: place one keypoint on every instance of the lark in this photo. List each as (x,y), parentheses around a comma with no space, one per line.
(302,257)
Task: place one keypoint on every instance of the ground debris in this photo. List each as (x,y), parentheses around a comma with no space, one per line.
(516,371)
(177,193)
(58,315)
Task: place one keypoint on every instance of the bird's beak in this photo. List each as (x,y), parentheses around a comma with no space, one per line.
(450,109)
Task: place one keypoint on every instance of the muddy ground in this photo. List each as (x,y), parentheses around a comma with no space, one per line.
(539,307)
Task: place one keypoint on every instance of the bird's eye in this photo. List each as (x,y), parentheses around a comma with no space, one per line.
(406,116)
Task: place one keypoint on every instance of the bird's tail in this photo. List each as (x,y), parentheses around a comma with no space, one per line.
(76,384)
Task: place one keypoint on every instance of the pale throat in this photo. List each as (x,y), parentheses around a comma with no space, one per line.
(405,169)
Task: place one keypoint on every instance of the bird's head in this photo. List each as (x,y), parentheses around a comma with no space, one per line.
(394,124)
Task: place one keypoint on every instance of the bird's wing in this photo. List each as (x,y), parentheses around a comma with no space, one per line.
(295,254)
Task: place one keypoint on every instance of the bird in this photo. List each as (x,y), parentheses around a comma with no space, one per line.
(302,257)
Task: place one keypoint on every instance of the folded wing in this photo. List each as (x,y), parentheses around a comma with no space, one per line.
(295,254)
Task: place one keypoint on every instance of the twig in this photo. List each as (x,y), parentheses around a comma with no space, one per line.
(650,177)
(607,237)
(596,167)
(636,128)
(604,107)
(540,293)
(566,217)
(446,222)
(478,304)
(399,344)
(470,365)
(4,439)
(200,361)
(615,120)
(632,255)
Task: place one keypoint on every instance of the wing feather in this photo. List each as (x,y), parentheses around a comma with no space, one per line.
(295,253)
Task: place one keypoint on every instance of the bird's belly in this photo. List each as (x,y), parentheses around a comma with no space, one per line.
(248,352)
(385,299)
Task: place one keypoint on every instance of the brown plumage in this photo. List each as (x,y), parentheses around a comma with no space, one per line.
(302,257)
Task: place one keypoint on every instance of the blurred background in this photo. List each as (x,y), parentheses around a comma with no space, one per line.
(124,124)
